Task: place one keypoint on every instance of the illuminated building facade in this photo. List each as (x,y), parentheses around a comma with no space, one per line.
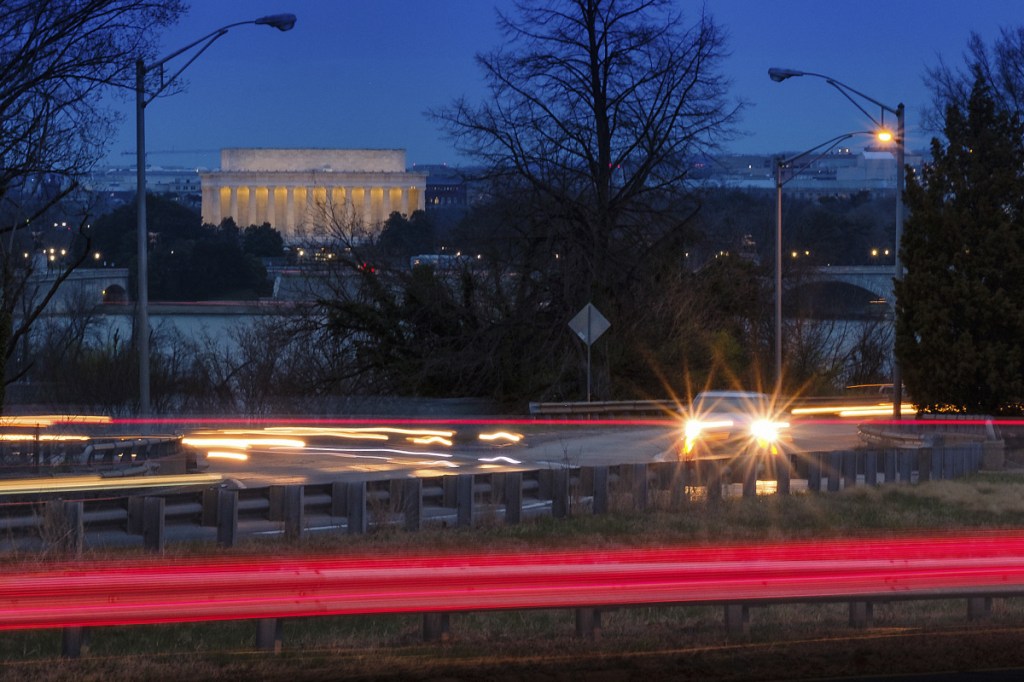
(300,192)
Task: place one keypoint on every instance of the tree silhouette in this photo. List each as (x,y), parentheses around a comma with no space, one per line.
(960,307)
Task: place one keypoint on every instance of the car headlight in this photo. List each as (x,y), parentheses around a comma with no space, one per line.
(692,429)
(766,430)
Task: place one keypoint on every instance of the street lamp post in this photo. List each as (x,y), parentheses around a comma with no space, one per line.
(282,22)
(780,165)
(778,75)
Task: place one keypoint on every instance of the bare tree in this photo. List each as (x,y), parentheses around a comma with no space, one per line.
(597,110)
(57,60)
(1001,65)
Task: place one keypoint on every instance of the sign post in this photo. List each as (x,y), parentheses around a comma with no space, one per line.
(589,324)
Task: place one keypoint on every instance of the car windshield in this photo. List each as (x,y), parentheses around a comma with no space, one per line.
(710,402)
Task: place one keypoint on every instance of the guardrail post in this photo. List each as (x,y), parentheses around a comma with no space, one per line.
(339,498)
(356,496)
(153,535)
(136,513)
(906,460)
(640,486)
(449,492)
(862,614)
(71,525)
(871,467)
(74,641)
(979,608)
(713,479)
(436,627)
(294,511)
(276,495)
(545,484)
(210,504)
(890,465)
(783,474)
(947,462)
(227,517)
(976,457)
(513,497)
(814,472)
(600,499)
(497,482)
(412,503)
(560,493)
(835,464)
(935,454)
(678,483)
(464,500)
(748,473)
(850,468)
(268,634)
(588,623)
(737,619)
(924,465)
(960,466)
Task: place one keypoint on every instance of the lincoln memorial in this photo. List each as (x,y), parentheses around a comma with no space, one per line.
(301,192)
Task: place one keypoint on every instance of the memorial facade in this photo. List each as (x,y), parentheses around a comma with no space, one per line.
(302,192)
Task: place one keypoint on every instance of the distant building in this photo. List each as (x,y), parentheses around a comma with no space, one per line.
(446,187)
(116,186)
(842,171)
(299,191)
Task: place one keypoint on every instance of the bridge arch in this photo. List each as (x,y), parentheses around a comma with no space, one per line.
(115,293)
(831,299)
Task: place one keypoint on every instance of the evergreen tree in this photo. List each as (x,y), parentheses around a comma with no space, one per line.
(960,306)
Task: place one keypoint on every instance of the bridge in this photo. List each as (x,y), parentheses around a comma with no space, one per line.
(840,291)
(876,279)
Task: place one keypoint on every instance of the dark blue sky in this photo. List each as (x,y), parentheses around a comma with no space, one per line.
(358,74)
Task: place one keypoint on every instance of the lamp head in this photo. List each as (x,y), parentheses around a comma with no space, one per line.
(779,75)
(282,22)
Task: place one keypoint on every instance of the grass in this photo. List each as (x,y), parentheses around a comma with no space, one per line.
(495,645)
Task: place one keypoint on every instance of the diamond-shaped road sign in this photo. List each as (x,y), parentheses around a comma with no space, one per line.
(589,324)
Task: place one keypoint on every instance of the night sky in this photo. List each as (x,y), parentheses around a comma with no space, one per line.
(361,74)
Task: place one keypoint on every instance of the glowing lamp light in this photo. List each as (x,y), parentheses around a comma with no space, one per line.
(692,429)
(766,430)
(884,136)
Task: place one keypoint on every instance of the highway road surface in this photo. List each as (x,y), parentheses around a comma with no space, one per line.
(289,455)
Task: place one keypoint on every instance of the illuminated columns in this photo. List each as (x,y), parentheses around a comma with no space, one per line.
(250,213)
(274,200)
(262,204)
(301,192)
(367,206)
(233,203)
(211,205)
(289,209)
(337,202)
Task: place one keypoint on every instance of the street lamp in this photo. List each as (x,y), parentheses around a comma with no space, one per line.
(778,75)
(282,22)
(780,165)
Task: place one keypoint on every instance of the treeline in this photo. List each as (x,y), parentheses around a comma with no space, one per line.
(189,261)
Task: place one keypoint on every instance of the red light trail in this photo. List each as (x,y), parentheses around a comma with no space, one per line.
(162,591)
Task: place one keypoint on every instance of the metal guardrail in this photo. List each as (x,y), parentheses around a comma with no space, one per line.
(221,514)
(105,455)
(860,572)
(929,430)
(608,407)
